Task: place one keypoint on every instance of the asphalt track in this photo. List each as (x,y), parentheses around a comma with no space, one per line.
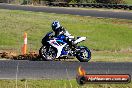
(58,69)
(93,13)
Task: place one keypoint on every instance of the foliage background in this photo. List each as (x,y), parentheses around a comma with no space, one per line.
(69,1)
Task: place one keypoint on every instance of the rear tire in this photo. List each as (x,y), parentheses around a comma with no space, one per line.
(84,54)
(47,53)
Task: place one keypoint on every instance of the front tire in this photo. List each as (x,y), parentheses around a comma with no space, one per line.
(84,54)
(47,53)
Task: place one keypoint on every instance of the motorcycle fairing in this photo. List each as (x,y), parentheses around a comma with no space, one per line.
(59,47)
(79,40)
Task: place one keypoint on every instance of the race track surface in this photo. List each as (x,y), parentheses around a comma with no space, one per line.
(93,13)
(57,69)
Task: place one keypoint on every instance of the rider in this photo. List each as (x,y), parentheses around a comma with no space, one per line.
(58,29)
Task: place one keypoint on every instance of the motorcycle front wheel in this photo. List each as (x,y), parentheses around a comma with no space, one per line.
(84,54)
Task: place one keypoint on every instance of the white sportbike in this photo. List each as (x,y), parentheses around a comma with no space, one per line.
(55,48)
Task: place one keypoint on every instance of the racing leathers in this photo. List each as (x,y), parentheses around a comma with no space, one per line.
(62,31)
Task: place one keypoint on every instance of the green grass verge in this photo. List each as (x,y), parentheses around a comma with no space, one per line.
(103,34)
(98,9)
(128,1)
(111,57)
(56,84)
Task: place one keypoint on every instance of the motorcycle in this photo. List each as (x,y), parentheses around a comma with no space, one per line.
(56,47)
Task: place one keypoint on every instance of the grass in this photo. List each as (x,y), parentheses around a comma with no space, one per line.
(103,34)
(56,84)
(128,1)
(99,9)
(111,57)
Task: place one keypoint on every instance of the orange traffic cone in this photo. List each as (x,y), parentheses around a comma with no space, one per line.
(24,48)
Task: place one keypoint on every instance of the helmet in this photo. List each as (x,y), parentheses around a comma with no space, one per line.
(55,25)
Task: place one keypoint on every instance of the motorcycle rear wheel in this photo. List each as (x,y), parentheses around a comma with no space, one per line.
(47,53)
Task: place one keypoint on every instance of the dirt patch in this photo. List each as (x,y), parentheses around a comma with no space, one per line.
(14,56)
